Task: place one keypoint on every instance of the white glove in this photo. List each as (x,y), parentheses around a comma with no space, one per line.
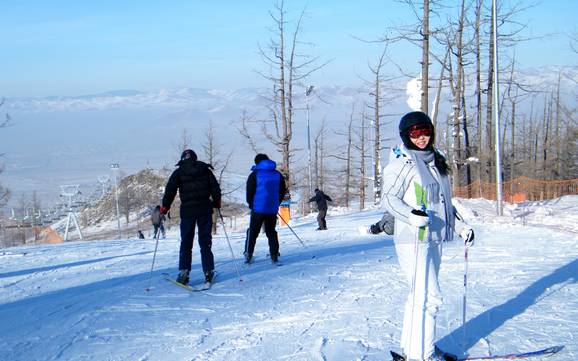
(467,234)
(418,218)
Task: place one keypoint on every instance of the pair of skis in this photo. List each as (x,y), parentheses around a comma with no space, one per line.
(510,356)
(194,288)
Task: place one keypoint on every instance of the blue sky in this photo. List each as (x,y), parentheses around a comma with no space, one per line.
(71,47)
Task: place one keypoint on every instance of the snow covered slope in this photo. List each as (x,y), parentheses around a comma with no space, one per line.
(339,298)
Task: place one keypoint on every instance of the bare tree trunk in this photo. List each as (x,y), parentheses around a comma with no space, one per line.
(435,111)
(319,156)
(558,145)
(547,113)
(425,59)
(467,147)
(479,132)
(489,106)
(348,159)
(362,164)
(513,140)
(376,126)
(287,68)
(457,106)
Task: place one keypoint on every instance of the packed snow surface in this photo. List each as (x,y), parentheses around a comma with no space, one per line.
(339,297)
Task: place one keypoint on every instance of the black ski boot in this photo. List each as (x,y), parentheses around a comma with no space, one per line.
(209,276)
(248,258)
(440,355)
(183,277)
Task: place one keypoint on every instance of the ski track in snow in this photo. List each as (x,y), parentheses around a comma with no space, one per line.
(339,298)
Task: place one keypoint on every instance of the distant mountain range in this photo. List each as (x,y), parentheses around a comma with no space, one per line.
(61,140)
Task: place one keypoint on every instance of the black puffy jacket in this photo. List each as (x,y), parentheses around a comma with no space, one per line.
(198,188)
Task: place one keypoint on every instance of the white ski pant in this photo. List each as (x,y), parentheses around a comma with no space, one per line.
(424,299)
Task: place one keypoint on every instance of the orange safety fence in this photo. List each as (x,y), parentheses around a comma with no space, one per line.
(519,189)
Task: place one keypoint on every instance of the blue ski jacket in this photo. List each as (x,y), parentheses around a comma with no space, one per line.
(265,188)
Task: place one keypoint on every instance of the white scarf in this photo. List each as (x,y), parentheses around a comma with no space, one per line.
(433,189)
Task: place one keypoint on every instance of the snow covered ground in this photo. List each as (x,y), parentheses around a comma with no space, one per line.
(338,298)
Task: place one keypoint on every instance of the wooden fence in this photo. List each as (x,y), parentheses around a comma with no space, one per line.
(520,189)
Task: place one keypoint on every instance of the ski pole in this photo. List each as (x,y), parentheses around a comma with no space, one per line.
(154,256)
(464,300)
(230,248)
(413,284)
(287,224)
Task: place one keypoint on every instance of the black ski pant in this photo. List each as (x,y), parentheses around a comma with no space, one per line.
(321,219)
(158,227)
(257,220)
(204,223)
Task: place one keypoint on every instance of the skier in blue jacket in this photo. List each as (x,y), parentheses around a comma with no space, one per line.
(266,188)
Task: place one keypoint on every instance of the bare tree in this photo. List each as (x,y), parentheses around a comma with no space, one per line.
(376,119)
(212,150)
(320,155)
(288,68)
(4,192)
(362,156)
(347,157)
(245,133)
(184,141)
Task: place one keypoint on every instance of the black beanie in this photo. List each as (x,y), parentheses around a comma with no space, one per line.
(192,155)
(259,157)
(411,119)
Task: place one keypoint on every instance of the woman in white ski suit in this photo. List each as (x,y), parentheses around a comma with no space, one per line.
(417,192)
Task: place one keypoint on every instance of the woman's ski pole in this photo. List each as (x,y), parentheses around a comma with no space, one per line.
(464,300)
(230,248)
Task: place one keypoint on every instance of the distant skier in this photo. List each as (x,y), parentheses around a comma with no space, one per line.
(140,234)
(199,192)
(418,194)
(265,190)
(321,199)
(157,219)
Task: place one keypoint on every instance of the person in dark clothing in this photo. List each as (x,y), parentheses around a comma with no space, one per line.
(321,199)
(266,188)
(157,220)
(199,192)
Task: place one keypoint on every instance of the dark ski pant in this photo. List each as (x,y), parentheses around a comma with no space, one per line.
(156,229)
(204,224)
(321,219)
(257,220)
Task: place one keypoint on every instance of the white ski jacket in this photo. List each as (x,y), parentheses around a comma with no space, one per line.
(403,192)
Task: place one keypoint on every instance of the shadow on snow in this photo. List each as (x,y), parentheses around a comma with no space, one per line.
(488,321)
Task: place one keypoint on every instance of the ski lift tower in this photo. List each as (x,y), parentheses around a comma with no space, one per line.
(70,191)
(103,180)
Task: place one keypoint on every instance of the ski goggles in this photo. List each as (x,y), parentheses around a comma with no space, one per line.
(416,131)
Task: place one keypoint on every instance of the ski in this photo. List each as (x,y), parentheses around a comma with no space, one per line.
(510,356)
(196,288)
(517,356)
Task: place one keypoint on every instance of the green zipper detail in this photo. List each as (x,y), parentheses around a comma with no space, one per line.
(420,196)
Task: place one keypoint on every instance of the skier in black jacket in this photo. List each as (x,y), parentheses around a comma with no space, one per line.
(199,192)
(321,199)
(266,188)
